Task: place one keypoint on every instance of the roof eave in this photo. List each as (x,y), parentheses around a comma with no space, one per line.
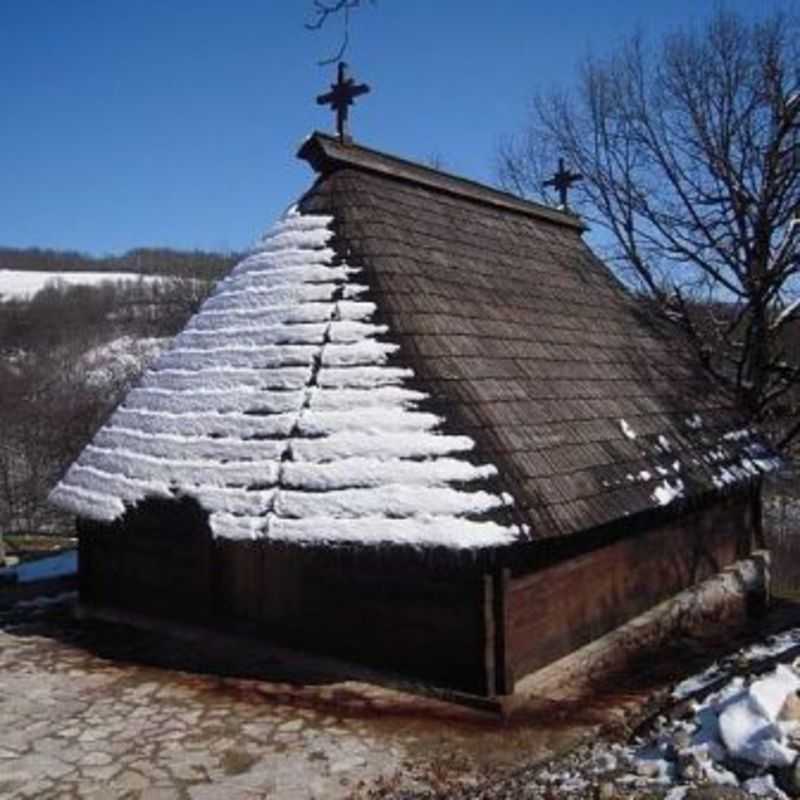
(326,154)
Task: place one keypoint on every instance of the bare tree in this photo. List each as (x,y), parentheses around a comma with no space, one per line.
(67,356)
(690,154)
(325,9)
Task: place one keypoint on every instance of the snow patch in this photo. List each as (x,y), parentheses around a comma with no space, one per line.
(280,410)
(666,492)
(443,531)
(748,724)
(737,435)
(24,284)
(627,429)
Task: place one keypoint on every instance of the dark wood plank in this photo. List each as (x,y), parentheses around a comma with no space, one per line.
(556,610)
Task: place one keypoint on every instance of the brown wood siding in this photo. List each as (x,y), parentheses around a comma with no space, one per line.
(558,609)
(407,618)
(427,615)
(146,570)
(414,624)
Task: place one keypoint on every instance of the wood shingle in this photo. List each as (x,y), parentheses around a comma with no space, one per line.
(544,356)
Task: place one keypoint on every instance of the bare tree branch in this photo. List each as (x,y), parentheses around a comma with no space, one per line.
(690,152)
(322,11)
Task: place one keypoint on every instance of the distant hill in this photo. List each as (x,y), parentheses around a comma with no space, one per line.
(144,260)
(24,284)
(68,353)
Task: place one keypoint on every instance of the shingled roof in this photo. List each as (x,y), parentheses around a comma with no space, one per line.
(409,356)
(590,408)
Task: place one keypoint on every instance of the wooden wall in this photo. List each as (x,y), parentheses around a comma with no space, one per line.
(409,615)
(159,560)
(406,619)
(468,622)
(557,609)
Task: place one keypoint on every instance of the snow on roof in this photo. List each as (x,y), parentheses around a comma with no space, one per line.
(557,372)
(278,409)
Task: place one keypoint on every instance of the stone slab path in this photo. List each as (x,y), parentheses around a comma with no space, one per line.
(91,709)
(97,710)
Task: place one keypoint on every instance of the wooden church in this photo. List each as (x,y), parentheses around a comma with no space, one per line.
(419,427)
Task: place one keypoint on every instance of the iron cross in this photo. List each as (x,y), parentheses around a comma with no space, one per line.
(340,98)
(562,181)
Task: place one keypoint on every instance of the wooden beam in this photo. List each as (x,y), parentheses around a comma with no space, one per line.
(489,634)
(504,669)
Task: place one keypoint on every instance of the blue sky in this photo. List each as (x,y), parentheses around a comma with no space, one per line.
(168,122)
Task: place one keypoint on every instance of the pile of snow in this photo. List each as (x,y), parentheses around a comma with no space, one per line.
(281,410)
(23,285)
(735,724)
(751,722)
(718,672)
(741,731)
(746,734)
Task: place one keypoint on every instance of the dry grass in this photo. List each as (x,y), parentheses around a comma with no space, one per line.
(27,546)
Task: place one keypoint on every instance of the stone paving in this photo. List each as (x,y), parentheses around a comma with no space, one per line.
(91,709)
(94,710)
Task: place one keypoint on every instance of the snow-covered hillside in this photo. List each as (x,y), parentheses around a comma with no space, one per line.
(22,285)
(64,364)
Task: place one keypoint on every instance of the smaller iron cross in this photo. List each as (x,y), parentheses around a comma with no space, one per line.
(340,98)
(562,181)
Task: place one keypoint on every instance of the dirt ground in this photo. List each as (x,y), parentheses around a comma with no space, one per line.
(91,709)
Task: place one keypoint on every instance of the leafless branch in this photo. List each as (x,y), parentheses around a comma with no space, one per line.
(690,152)
(322,11)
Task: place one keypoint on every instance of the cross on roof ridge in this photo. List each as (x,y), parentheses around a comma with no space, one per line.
(341,97)
(562,181)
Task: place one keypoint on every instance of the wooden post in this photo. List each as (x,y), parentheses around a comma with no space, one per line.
(504,670)
(85,563)
(489,635)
